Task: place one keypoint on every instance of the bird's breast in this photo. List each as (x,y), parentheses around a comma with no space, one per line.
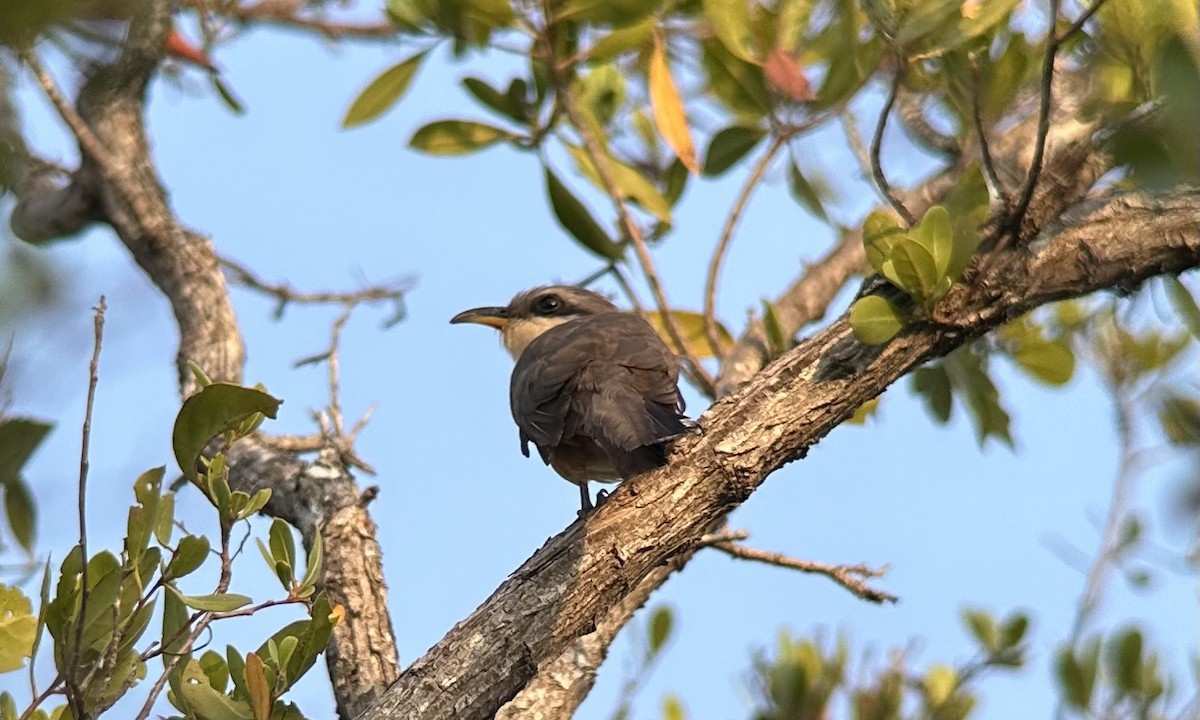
(579,459)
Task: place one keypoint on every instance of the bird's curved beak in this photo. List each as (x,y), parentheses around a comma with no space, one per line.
(496,317)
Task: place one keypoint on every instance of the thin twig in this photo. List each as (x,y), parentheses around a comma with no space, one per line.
(1110,544)
(51,689)
(1079,22)
(269,12)
(718,256)
(285,294)
(627,287)
(599,159)
(854,137)
(723,536)
(1043,128)
(985,152)
(331,421)
(87,139)
(73,696)
(334,367)
(877,143)
(851,577)
(594,276)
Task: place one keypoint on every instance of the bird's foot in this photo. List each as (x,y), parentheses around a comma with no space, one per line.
(602,497)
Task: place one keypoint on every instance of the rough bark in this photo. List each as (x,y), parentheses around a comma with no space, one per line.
(807,299)
(116,183)
(563,590)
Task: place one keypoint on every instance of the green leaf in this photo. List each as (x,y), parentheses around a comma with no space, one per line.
(456,137)
(8,706)
(214,602)
(18,628)
(216,409)
(925,17)
(617,13)
(237,670)
(880,232)
(1179,416)
(1012,632)
(226,94)
(935,234)
(673,709)
(629,181)
(574,217)
(19,438)
(983,629)
(933,384)
(971,381)
(165,525)
(915,268)
(777,341)
(204,702)
(852,63)
(875,320)
(191,554)
(1075,686)
(21,512)
(622,40)
(215,669)
(143,516)
(729,146)
(174,623)
(1184,304)
(1050,361)
(730,21)
(939,684)
(1125,660)
(805,192)
(737,84)
(283,546)
(312,635)
(312,571)
(507,104)
(660,628)
(257,502)
(383,92)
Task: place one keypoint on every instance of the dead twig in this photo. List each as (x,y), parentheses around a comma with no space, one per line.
(74,697)
(330,420)
(284,294)
(851,577)
(718,256)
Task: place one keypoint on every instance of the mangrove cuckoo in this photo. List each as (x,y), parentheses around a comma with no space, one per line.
(594,389)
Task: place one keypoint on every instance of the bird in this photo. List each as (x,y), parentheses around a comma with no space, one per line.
(594,389)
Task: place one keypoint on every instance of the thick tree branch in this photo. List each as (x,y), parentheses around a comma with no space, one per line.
(562,591)
(808,298)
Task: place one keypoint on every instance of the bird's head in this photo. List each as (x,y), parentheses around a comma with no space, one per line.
(535,311)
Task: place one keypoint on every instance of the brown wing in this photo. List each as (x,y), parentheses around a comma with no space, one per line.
(607,377)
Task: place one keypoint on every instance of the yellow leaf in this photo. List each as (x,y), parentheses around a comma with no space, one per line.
(669,114)
(256,686)
(691,330)
(337,614)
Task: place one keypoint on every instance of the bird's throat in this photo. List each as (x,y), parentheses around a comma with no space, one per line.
(520,332)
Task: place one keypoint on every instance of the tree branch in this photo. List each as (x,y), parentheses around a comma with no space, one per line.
(561,592)
(118,183)
(852,577)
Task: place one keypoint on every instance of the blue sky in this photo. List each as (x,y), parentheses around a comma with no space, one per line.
(286,192)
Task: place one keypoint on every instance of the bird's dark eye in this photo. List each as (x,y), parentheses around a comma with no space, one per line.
(547,305)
